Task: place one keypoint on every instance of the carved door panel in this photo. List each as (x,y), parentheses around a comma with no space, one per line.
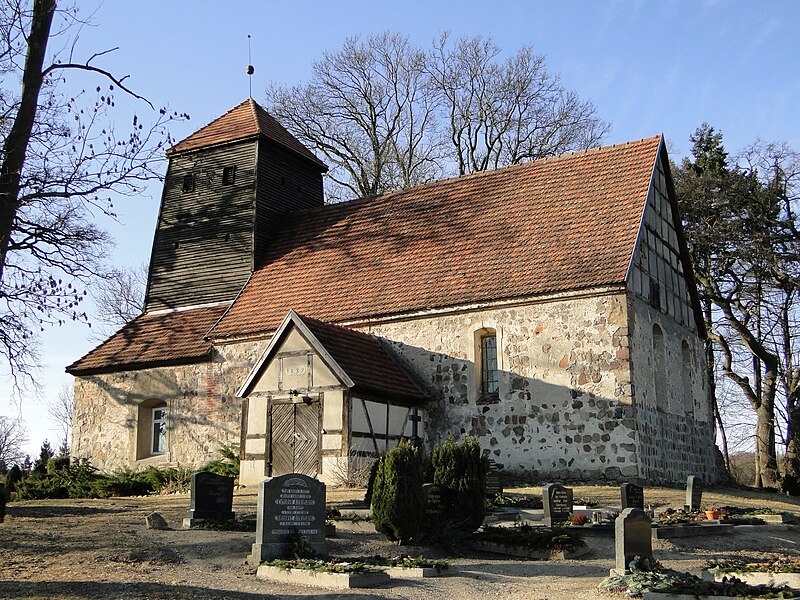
(294,435)
(306,433)
(282,439)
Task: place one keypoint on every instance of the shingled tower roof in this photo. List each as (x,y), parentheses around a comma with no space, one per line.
(246,120)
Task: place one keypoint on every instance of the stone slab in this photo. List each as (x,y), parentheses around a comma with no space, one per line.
(339,581)
(419,572)
(774,519)
(791,580)
(678,531)
(516,551)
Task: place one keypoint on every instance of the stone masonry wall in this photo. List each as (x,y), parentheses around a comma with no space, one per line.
(678,441)
(203,412)
(564,408)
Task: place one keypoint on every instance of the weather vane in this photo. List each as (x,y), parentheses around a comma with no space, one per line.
(249,70)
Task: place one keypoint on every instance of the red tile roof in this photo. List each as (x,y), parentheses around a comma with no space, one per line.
(152,340)
(364,358)
(552,225)
(243,121)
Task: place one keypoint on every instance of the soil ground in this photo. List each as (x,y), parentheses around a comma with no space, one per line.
(71,549)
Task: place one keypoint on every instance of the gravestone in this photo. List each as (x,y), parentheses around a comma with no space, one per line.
(694,493)
(436,507)
(632,496)
(5,496)
(557,501)
(632,537)
(290,507)
(212,498)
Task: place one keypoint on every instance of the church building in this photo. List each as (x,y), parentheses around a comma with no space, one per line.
(547,308)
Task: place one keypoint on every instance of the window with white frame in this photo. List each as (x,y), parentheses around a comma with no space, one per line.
(158,437)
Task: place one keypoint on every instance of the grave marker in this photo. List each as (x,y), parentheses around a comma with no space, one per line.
(290,506)
(557,501)
(632,537)
(632,496)
(694,493)
(212,498)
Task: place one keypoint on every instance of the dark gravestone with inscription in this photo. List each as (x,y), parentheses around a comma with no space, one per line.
(632,496)
(436,508)
(290,507)
(633,537)
(557,501)
(694,493)
(212,498)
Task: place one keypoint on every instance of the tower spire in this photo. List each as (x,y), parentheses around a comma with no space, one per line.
(249,70)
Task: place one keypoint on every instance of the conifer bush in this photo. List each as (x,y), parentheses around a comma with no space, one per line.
(461,471)
(397,506)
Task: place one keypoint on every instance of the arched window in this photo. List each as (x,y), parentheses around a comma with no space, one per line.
(688,376)
(153,425)
(486,364)
(660,370)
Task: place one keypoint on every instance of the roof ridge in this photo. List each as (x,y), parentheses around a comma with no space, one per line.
(479,174)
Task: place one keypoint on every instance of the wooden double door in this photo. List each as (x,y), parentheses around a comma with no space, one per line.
(295,432)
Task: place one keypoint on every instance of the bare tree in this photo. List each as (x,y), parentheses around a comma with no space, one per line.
(12,439)
(368,109)
(61,161)
(506,112)
(118,298)
(60,410)
(388,115)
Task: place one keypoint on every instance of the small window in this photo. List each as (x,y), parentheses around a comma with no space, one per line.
(655,294)
(159,431)
(188,183)
(228,175)
(489,373)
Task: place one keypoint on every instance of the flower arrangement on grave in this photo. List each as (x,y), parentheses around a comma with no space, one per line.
(323,566)
(579,520)
(404,561)
(780,564)
(647,575)
(531,538)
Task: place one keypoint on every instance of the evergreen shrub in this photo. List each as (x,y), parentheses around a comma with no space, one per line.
(397,506)
(373,471)
(461,471)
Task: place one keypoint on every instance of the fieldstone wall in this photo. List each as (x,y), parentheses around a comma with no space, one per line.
(564,407)
(680,440)
(203,412)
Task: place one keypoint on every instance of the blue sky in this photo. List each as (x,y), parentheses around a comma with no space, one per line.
(649,67)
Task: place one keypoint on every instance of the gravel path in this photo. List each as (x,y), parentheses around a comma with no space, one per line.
(72,549)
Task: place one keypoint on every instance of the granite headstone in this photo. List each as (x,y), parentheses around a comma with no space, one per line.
(632,496)
(435,507)
(290,506)
(212,498)
(557,501)
(632,537)
(694,493)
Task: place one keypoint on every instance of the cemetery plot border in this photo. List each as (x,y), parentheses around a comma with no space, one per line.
(527,553)
(420,572)
(321,579)
(774,578)
(665,532)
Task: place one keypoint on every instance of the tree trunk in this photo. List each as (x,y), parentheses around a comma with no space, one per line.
(16,144)
(791,478)
(766,460)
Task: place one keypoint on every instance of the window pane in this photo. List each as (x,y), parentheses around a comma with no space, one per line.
(159,438)
(489,375)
